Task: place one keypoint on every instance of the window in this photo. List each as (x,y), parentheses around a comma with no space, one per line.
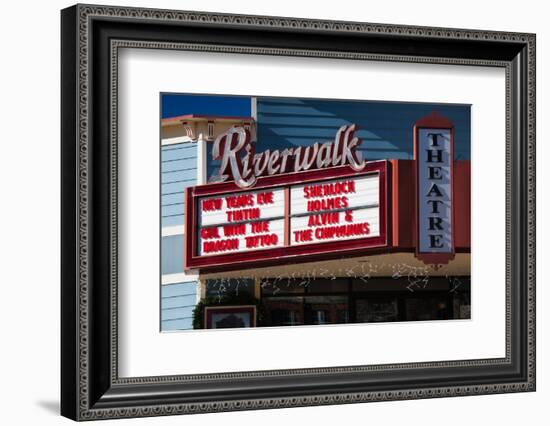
(302,301)
(224,288)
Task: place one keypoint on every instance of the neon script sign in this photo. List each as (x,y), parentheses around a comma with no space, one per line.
(240,162)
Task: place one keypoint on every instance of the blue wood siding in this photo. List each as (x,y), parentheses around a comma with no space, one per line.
(177,304)
(178,171)
(386,128)
(172,254)
(177,324)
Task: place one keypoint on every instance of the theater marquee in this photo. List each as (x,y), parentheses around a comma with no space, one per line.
(300,216)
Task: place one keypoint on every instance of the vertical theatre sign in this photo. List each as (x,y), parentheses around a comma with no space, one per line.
(433,152)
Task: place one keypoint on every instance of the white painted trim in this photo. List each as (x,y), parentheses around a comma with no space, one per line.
(178,278)
(173,230)
(254,108)
(198,291)
(176,140)
(201,160)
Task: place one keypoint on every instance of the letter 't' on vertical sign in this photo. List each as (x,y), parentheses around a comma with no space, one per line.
(433,153)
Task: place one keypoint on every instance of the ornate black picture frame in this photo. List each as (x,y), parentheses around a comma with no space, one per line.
(90,38)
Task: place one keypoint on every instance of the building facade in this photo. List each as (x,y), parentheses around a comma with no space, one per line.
(390,282)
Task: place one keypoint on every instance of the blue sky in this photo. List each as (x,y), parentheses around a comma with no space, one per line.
(235,106)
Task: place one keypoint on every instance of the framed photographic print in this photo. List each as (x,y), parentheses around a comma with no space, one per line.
(363,192)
